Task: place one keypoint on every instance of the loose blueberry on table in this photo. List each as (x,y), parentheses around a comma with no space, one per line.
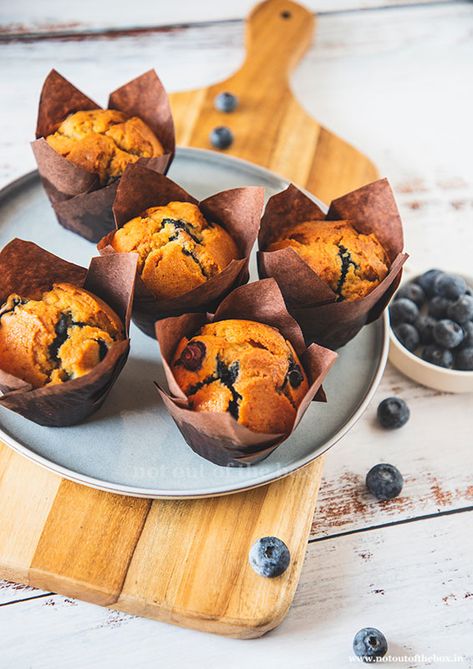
(269,556)
(369,644)
(384,481)
(393,413)
(432,316)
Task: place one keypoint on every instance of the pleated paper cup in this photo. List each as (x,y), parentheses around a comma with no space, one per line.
(27,270)
(80,202)
(218,437)
(238,211)
(310,300)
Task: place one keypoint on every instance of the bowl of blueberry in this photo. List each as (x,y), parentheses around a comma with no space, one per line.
(431,334)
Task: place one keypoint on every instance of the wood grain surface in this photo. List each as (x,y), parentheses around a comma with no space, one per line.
(390,81)
(270,127)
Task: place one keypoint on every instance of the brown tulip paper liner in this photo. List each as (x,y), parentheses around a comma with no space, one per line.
(218,437)
(310,300)
(29,270)
(238,211)
(81,204)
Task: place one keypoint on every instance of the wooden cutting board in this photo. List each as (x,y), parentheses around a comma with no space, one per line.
(186,562)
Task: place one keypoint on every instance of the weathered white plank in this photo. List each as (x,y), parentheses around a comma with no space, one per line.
(413,581)
(433,452)
(15,592)
(56,16)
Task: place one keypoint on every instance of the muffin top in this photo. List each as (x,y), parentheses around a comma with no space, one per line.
(104,141)
(245,368)
(60,336)
(178,248)
(350,262)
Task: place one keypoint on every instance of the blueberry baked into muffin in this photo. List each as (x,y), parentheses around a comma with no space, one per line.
(245,368)
(350,262)
(104,141)
(178,248)
(62,335)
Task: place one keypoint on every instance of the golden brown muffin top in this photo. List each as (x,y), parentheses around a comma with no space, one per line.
(60,336)
(104,141)
(350,262)
(245,368)
(178,248)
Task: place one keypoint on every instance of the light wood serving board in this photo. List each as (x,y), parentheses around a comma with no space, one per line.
(186,562)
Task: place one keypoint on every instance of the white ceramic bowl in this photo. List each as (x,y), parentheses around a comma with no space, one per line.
(420,371)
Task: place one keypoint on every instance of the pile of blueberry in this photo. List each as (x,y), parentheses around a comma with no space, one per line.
(432,316)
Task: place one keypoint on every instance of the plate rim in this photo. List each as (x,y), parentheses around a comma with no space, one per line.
(132,491)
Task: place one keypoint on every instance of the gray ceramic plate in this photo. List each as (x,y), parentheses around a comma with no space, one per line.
(131,445)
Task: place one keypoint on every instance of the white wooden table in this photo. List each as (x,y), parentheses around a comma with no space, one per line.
(396,80)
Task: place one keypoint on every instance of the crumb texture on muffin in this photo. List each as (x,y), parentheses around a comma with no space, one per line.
(245,368)
(352,263)
(60,336)
(178,248)
(104,141)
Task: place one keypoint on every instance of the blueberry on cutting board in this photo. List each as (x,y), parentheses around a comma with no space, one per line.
(226,102)
(269,557)
(221,137)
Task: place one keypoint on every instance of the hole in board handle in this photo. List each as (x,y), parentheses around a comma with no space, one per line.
(286,14)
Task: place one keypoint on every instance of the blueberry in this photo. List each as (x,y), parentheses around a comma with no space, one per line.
(464,359)
(407,335)
(448,334)
(468,330)
(437,355)
(369,644)
(403,311)
(424,326)
(193,356)
(461,310)
(226,102)
(438,307)
(412,291)
(393,413)
(384,481)
(426,281)
(269,556)
(221,137)
(449,286)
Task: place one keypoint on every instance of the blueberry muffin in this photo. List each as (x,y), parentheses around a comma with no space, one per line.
(351,263)
(61,335)
(104,141)
(245,368)
(178,248)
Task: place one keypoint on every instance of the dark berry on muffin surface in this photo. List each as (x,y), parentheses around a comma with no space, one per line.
(178,248)
(62,335)
(351,263)
(244,368)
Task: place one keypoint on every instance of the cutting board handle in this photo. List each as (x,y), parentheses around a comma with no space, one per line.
(278,32)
